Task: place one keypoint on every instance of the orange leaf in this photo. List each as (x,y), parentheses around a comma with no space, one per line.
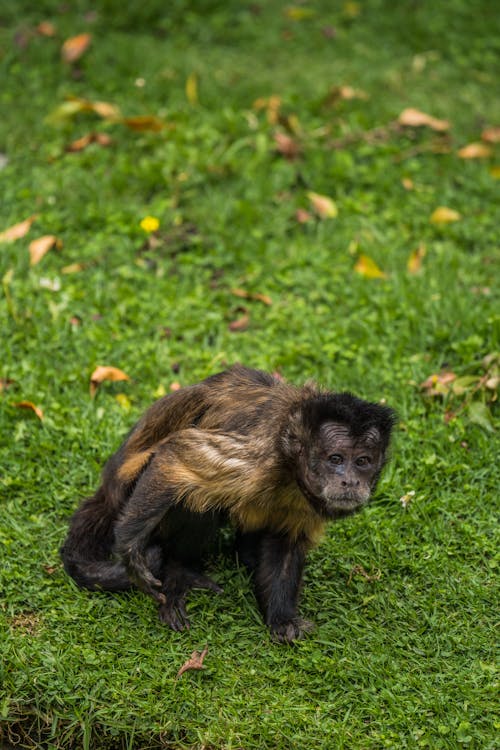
(408,183)
(286,145)
(17,231)
(194,662)
(40,247)
(491,135)
(252,295)
(102,373)
(438,385)
(74,47)
(106,110)
(413,118)
(46,28)
(240,324)
(324,206)
(414,263)
(143,123)
(302,216)
(31,406)
(444,215)
(367,267)
(102,139)
(476,150)
(175,386)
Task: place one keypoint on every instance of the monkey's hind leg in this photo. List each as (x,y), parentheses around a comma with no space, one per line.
(178,580)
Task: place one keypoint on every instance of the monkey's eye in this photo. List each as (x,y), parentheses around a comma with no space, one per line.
(363,461)
(336,459)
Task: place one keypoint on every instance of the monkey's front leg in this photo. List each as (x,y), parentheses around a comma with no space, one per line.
(278,578)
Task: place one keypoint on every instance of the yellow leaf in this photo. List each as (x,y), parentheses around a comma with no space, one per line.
(74,47)
(29,405)
(40,247)
(144,123)
(294,13)
(324,206)
(415,119)
(367,267)
(495,172)
(408,183)
(475,151)
(73,268)
(192,88)
(414,263)
(123,400)
(17,231)
(102,373)
(443,215)
(150,224)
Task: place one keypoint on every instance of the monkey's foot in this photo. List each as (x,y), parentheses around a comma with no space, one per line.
(176,586)
(173,613)
(292,630)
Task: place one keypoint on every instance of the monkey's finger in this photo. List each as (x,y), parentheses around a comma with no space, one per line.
(204,582)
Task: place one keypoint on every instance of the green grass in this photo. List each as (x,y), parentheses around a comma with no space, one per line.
(403,661)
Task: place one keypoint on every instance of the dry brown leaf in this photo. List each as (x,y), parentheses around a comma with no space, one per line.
(73,268)
(74,47)
(31,406)
(143,123)
(40,247)
(303,216)
(17,231)
(195,661)
(286,145)
(444,215)
(475,150)
(102,373)
(324,206)
(46,28)
(106,110)
(243,294)
(367,267)
(272,105)
(102,139)
(344,93)
(414,263)
(413,118)
(438,384)
(491,135)
(240,324)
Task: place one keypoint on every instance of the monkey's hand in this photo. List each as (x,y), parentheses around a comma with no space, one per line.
(177,583)
(290,631)
(141,576)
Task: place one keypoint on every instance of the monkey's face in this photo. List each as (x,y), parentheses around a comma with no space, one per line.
(340,471)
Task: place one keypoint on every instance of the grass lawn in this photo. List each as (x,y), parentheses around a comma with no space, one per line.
(248,110)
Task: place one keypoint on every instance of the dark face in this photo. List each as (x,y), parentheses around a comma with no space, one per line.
(339,472)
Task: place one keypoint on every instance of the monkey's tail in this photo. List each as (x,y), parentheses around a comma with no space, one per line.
(87,549)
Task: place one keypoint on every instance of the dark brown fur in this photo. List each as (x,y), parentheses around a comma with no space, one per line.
(274,460)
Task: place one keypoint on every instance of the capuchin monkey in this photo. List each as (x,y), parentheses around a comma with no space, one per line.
(275,461)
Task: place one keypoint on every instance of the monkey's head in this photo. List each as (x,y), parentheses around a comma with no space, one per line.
(337,445)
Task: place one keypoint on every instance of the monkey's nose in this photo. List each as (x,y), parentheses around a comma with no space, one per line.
(350,483)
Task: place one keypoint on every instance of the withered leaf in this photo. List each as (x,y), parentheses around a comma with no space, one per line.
(476,150)
(195,661)
(102,373)
(17,231)
(491,135)
(286,145)
(102,139)
(240,324)
(415,119)
(444,215)
(244,294)
(46,28)
(414,263)
(144,123)
(367,267)
(74,47)
(324,206)
(303,216)
(31,407)
(438,384)
(272,105)
(41,246)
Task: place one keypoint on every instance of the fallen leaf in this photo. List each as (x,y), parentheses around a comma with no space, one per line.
(102,139)
(344,93)
(444,215)
(324,206)
(408,183)
(303,216)
(414,263)
(243,294)
(73,268)
(175,386)
(491,135)
(74,47)
(367,267)
(240,324)
(413,118)
(272,105)
(17,231)
(102,373)
(40,247)
(46,28)
(296,13)
(287,146)
(192,88)
(106,110)
(123,400)
(195,661)
(475,150)
(495,172)
(29,405)
(75,105)
(407,498)
(480,414)
(438,384)
(144,123)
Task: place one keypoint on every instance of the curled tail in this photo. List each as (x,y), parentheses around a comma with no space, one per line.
(87,549)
